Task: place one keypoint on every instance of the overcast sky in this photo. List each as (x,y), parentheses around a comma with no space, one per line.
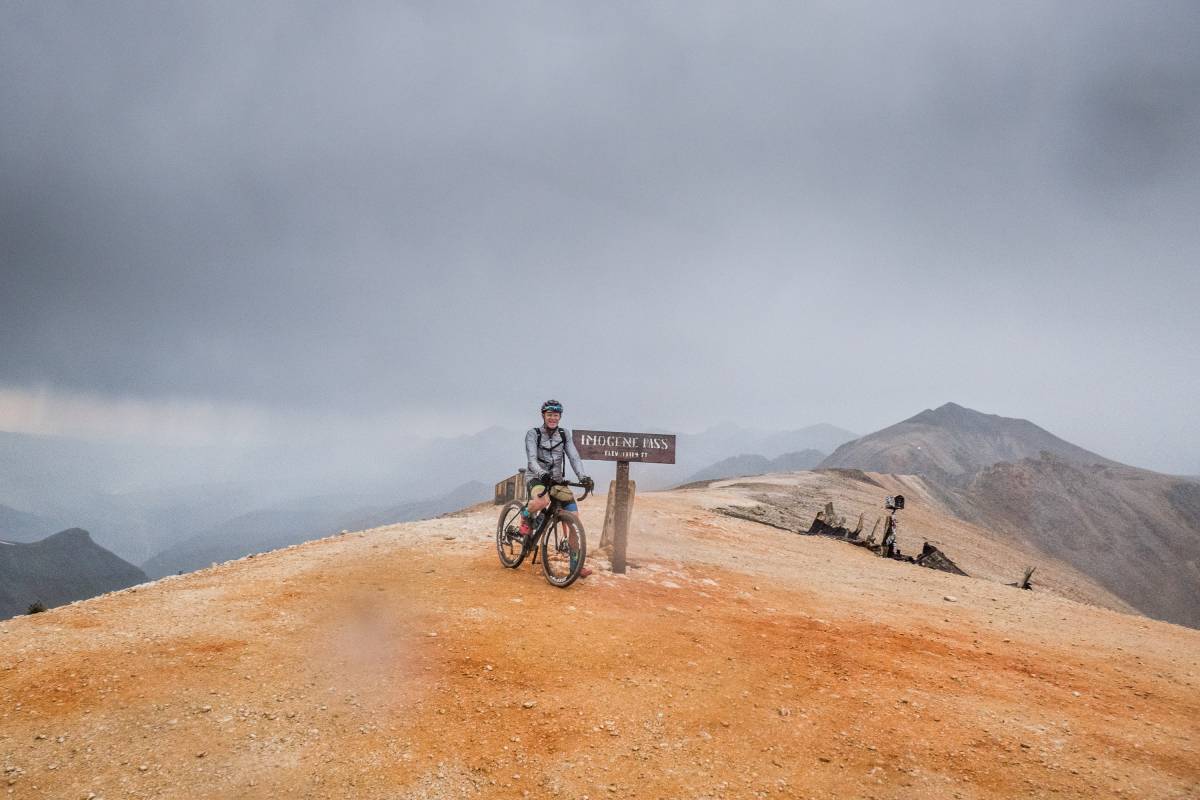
(221,218)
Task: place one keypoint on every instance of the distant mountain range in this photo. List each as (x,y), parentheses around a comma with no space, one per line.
(754,464)
(1133,531)
(19,526)
(270,529)
(700,451)
(141,501)
(59,569)
(138,500)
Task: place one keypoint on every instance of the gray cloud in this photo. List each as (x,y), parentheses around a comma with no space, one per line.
(679,212)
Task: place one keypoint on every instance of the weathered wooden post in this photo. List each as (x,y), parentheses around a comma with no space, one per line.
(610,514)
(623,448)
(621,512)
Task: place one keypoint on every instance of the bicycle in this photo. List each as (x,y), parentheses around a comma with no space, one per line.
(563,546)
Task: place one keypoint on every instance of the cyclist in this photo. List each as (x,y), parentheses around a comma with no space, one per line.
(547,449)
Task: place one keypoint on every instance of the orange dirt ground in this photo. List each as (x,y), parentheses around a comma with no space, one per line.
(404,662)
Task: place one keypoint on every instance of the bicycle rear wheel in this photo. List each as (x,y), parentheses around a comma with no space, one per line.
(564,549)
(509,546)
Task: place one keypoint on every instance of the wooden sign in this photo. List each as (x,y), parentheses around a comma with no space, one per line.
(646,448)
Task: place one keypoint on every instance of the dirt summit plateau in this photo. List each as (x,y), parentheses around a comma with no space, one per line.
(734,660)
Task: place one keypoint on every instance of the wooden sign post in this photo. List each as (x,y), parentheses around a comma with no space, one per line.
(647,448)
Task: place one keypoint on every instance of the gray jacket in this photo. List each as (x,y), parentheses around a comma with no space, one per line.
(545,451)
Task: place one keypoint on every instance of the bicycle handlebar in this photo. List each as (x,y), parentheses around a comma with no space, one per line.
(587,489)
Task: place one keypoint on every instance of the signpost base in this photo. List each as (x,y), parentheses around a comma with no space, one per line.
(622,507)
(610,515)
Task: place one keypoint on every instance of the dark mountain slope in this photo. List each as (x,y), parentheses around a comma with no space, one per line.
(1135,532)
(59,569)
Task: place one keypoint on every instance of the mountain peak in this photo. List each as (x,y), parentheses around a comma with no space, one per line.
(70,536)
(954,415)
(952,441)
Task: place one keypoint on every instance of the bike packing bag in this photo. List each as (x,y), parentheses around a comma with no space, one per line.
(562,494)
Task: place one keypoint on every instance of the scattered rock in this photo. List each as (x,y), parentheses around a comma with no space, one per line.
(950,598)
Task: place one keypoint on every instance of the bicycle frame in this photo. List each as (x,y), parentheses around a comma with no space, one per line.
(550,515)
(556,547)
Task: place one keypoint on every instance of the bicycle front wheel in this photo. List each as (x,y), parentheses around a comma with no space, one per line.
(509,546)
(564,549)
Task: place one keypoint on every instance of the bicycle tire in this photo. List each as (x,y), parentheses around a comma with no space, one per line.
(553,551)
(510,550)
